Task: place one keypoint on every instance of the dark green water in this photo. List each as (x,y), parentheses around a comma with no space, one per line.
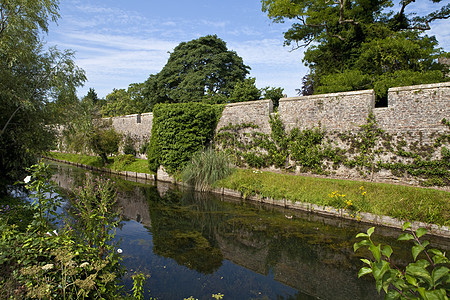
(197,244)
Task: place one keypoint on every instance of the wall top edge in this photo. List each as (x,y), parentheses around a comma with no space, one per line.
(321,96)
(147,114)
(420,86)
(125,116)
(249,103)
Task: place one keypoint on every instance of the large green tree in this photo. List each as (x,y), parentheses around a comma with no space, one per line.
(198,70)
(358,44)
(126,102)
(30,77)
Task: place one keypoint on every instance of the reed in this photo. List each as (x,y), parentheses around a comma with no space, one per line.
(206,167)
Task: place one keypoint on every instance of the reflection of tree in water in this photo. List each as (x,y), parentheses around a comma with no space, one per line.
(183,230)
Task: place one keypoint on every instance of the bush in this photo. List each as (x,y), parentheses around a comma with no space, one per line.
(128,146)
(78,261)
(178,131)
(206,167)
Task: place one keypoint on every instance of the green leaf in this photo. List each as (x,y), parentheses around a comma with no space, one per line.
(405,237)
(411,280)
(435,295)
(406,225)
(439,273)
(387,251)
(361,234)
(370,231)
(418,270)
(416,250)
(376,251)
(421,231)
(392,295)
(360,244)
(439,257)
(366,261)
(364,271)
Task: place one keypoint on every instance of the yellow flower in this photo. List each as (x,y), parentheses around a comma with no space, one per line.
(363,193)
(361,188)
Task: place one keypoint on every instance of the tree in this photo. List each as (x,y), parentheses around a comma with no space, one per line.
(104,140)
(345,37)
(273,93)
(196,70)
(30,78)
(126,102)
(245,90)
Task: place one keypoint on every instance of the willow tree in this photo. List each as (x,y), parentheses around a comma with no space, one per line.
(31,76)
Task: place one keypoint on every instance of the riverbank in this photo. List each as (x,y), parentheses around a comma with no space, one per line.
(375,203)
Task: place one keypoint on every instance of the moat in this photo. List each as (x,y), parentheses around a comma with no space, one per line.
(198,244)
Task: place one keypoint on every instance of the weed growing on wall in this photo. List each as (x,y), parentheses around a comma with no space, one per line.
(179,130)
(367,150)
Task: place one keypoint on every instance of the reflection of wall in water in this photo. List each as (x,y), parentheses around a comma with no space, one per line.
(134,206)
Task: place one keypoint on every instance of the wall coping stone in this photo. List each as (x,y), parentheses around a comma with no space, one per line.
(321,96)
(420,86)
(249,103)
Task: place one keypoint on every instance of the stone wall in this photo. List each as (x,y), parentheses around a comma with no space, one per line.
(413,118)
(338,111)
(415,108)
(256,112)
(138,127)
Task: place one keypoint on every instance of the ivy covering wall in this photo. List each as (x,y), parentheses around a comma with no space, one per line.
(178,131)
(367,151)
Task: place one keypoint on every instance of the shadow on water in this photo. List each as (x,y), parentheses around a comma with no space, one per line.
(197,244)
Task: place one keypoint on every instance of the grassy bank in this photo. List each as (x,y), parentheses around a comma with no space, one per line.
(118,163)
(403,202)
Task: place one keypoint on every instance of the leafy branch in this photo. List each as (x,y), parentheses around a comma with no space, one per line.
(427,278)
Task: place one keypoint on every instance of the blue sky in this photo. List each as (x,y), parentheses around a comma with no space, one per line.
(119,42)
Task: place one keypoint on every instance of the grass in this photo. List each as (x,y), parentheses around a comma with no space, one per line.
(118,163)
(403,202)
(398,201)
(205,168)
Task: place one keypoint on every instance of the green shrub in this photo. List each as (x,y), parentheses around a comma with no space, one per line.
(128,146)
(178,131)
(205,168)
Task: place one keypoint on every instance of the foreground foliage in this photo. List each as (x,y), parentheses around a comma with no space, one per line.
(46,261)
(427,277)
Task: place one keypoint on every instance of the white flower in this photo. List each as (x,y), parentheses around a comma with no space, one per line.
(47,267)
(55,232)
(27,179)
(119,251)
